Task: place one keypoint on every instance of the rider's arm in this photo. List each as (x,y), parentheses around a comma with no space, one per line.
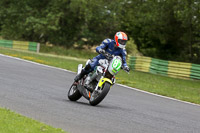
(124,53)
(103,45)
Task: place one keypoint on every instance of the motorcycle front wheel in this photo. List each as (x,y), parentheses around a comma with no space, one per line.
(73,93)
(96,97)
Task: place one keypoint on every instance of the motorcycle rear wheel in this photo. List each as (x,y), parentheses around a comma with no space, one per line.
(97,98)
(73,93)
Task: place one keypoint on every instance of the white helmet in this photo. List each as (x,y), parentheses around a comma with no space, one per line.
(121,39)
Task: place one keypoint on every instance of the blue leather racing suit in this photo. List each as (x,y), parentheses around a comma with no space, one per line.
(109,46)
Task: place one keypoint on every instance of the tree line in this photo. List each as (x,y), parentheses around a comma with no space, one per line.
(165,29)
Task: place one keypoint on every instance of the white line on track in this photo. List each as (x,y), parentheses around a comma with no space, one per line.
(117,84)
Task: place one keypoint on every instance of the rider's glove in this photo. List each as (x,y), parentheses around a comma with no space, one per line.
(126,68)
(102,51)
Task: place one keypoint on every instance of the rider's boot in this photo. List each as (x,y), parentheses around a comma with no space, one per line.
(83,72)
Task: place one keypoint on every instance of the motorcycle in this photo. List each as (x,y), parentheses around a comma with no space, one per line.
(96,85)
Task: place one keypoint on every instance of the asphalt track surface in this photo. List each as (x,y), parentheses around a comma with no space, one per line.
(40,92)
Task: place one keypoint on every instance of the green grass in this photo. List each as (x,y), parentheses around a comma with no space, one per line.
(68,52)
(69,63)
(11,122)
(186,90)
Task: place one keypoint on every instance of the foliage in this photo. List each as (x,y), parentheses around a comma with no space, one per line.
(131,48)
(164,29)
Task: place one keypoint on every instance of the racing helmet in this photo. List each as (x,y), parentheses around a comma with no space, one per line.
(120,39)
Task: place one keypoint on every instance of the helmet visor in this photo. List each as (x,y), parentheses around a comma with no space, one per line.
(122,42)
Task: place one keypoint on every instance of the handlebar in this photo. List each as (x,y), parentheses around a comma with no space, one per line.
(109,58)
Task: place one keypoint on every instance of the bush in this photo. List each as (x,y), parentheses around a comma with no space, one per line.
(131,48)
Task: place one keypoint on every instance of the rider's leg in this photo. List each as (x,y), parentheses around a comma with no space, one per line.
(88,68)
(85,71)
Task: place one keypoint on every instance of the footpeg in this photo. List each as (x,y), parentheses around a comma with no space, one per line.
(89,88)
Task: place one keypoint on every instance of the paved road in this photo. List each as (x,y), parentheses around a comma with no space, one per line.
(40,92)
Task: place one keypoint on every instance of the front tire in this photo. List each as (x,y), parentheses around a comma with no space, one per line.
(73,93)
(97,98)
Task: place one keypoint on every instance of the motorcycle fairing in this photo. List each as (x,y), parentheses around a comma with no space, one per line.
(103,80)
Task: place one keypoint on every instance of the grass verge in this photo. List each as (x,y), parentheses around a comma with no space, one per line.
(11,122)
(187,90)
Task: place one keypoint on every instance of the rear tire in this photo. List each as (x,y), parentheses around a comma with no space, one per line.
(96,100)
(73,93)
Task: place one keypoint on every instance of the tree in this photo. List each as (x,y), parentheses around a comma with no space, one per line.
(164,29)
(159,30)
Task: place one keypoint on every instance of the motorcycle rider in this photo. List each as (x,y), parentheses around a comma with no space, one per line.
(114,47)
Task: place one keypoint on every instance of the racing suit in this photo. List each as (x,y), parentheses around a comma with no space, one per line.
(109,46)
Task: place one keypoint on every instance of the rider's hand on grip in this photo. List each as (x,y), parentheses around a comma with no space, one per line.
(126,68)
(102,51)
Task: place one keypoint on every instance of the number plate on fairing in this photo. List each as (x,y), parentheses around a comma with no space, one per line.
(115,65)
